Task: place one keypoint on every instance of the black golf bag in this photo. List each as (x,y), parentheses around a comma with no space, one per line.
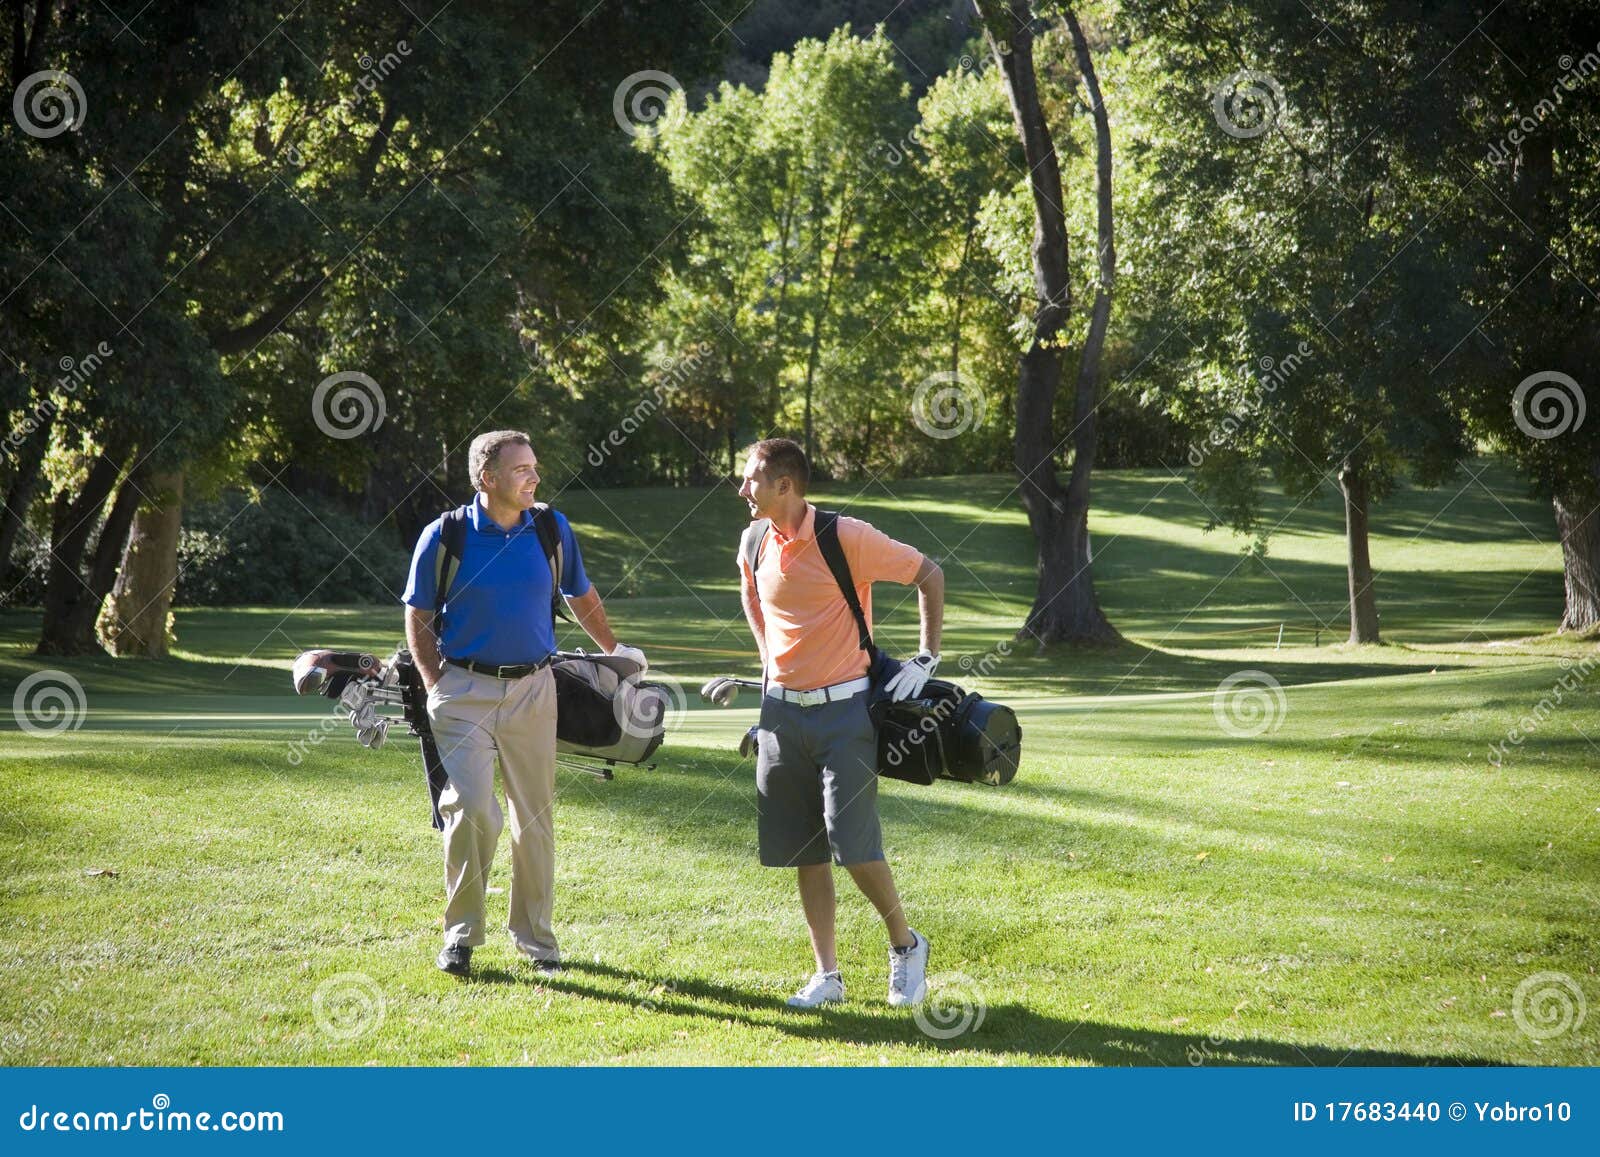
(605,714)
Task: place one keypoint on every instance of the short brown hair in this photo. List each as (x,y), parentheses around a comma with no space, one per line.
(485,451)
(783,458)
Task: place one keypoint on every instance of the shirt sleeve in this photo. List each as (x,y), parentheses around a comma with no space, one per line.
(874,557)
(422,586)
(574,582)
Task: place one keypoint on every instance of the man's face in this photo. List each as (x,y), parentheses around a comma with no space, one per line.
(514,477)
(759,490)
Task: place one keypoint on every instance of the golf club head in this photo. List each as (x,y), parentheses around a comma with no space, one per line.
(720,691)
(373,737)
(329,672)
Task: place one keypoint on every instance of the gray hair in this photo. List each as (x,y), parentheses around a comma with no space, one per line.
(485,452)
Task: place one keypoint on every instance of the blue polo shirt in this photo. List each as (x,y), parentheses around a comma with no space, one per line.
(498,609)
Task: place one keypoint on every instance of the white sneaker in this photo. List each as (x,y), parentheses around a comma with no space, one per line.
(908,972)
(822,988)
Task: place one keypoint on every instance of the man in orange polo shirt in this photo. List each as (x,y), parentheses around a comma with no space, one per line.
(816,769)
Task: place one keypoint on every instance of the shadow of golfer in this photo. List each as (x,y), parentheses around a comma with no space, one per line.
(996,1031)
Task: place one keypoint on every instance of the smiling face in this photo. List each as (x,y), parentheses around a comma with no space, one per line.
(513,478)
(760,490)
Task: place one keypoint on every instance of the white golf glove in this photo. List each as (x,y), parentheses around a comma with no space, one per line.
(722,691)
(623,651)
(913,677)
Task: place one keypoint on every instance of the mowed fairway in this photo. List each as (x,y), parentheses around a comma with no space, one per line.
(196,876)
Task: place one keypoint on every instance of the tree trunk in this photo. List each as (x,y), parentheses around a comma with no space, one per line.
(1363,598)
(1065,608)
(30,460)
(1578,520)
(817,318)
(71,602)
(961,301)
(135,620)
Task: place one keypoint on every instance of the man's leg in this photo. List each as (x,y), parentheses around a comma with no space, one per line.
(458,709)
(790,826)
(527,735)
(817,898)
(876,882)
(848,745)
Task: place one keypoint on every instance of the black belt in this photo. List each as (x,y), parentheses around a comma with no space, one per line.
(505,670)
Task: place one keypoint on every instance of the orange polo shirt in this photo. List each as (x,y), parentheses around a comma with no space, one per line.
(811,635)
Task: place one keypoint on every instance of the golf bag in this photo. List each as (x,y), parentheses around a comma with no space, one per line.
(605,714)
(946,732)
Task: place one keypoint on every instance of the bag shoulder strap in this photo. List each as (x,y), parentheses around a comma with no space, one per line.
(453,543)
(447,559)
(751,542)
(549,531)
(827,532)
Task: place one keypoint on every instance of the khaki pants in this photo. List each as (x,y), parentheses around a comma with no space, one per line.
(477,719)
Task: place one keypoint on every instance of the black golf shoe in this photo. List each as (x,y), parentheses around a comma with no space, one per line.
(456,959)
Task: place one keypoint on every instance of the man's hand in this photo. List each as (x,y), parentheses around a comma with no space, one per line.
(913,677)
(424,646)
(623,651)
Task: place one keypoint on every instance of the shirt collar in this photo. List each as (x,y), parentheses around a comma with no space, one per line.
(482,521)
(807,531)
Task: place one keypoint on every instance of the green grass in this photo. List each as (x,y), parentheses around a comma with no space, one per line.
(1358,885)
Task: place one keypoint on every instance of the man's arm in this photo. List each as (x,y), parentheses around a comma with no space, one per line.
(753,616)
(424,644)
(591,613)
(930,603)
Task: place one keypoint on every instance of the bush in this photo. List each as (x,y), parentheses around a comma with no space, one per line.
(285,550)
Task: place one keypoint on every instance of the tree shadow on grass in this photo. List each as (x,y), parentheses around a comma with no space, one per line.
(1002,1028)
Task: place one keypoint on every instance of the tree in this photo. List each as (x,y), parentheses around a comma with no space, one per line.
(389,210)
(1065,607)
(1523,150)
(1310,261)
(792,274)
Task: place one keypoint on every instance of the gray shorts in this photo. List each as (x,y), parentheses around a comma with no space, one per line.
(817,783)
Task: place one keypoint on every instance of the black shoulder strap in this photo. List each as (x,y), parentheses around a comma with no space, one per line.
(827,532)
(750,545)
(447,559)
(453,543)
(544,523)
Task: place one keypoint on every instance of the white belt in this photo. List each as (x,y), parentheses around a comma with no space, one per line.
(822,694)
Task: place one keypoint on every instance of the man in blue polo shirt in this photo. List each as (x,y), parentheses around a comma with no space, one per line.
(491,694)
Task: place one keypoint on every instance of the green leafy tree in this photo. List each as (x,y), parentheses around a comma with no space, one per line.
(463,236)
(1307,265)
